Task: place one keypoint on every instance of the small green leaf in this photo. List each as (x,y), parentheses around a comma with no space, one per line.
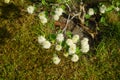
(52,37)
(69,34)
(63,7)
(44,2)
(78,51)
(87,16)
(102,20)
(110,8)
(86,23)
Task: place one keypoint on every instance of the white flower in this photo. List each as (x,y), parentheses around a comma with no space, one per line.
(7,1)
(72,49)
(56,60)
(44,20)
(58,47)
(59,11)
(84,45)
(56,17)
(117,9)
(84,40)
(85,48)
(46,44)
(75,38)
(103,9)
(74,58)
(69,42)
(42,17)
(91,11)
(60,37)
(41,39)
(30,9)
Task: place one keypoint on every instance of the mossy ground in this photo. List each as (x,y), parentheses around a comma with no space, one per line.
(22,58)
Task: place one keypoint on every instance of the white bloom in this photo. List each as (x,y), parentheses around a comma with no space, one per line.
(117,9)
(84,40)
(85,48)
(7,1)
(60,37)
(91,11)
(56,17)
(103,9)
(30,9)
(75,38)
(84,45)
(58,47)
(59,11)
(44,20)
(69,42)
(41,39)
(72,49)
(74,58)
(46,44)
(42,17)
(56,60)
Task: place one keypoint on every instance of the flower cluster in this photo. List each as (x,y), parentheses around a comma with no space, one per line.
(102,10)
(84,45)
(58,13)
(42,17)
(45,43)
(72,46)
(71,43)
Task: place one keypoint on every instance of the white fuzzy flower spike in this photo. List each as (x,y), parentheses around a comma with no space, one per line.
(46,44)
(75,38)
(60,37)
(59,11)
(84,45)
(103,9)
(74,58)
(30,9)
(56,60)
(91,11)
(41,39)
(58,47)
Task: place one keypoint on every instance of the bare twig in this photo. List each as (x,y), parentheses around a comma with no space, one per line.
(68,19)
(83,13)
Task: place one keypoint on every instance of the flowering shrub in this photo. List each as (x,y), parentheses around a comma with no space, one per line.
(62,41)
